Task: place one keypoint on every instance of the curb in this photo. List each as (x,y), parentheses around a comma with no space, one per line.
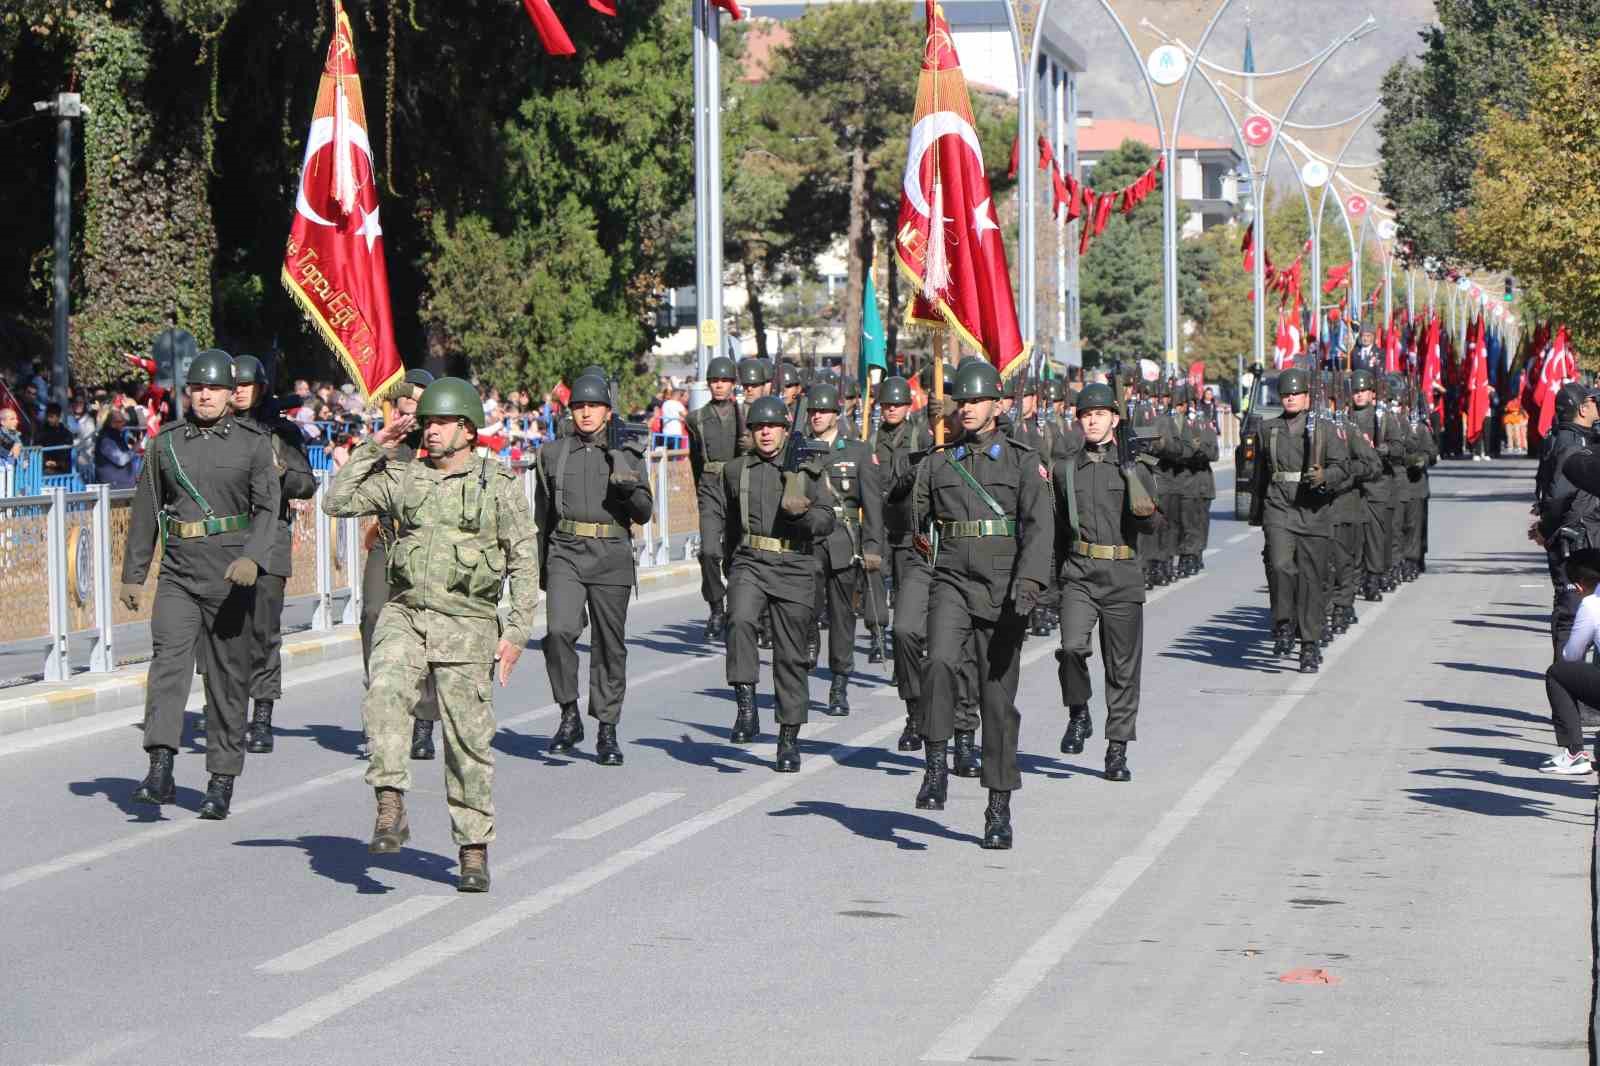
(44,704)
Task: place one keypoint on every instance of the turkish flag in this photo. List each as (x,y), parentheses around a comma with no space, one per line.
(333,265)
(1432,368)
(948,238)
(1477,398)
(1559,368)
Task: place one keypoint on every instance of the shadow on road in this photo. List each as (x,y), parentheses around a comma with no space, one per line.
(1238,639)
(347,861)
(713,753)
(1047,766)
(678,639)
(885,826)
(1494,804)
(337,738)
(1543,631)
(1504,671)
(1476,708)
(531,746)
(119,790)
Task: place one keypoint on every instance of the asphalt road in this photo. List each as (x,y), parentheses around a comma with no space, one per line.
(1360,867)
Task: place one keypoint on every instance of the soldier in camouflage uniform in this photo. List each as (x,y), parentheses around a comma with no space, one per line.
(295,482)
(462,532)
(375,572)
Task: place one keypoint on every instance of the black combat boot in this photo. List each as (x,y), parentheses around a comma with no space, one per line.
(1283,639)
(1036,627)
(258,734)
(874,641)
(219,794)
(606,750)
(935,777)
(788,761)
(997,821)
(746,721)
(966,755)
(1370,590)
(838,696)
(391,830)
(717,624)
(1117,761)
(1080,727)
(474,868)
(1149,576)
(570,731)
(158,786)
(422,738)
(910,736)
(1310,657)
(1350,618)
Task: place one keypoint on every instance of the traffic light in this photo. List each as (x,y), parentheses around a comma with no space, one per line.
(1511,289)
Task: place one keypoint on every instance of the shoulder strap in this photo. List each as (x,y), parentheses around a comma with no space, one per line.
(1072,497)
(558,486)
(744,497)
(184,482)
(983,494)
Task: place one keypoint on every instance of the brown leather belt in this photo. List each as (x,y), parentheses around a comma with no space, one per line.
(595,530)
(1103,551)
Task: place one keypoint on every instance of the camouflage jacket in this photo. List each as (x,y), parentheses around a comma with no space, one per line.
(458,537)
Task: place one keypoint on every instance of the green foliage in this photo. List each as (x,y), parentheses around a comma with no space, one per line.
(1535,204)
(148,238)
(1475,60)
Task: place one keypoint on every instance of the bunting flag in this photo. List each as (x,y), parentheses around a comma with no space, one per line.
(333,264)
(553,35)
(1073,199)
(1283,348)
(1337,276)
(947,240)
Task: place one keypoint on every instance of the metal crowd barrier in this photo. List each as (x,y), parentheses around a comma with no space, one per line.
(61,556)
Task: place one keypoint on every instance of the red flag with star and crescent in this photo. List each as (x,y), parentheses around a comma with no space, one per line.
(333,265)
(948,238)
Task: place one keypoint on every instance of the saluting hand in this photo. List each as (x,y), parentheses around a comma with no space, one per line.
(395,432)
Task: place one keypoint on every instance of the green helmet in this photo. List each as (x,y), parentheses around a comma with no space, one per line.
(894,390)
(925,378)
(754,372)
(211,367)
(1361,381)
(976,379)
(247,370)
(419,377)
(1293,382)
(591,388)
(1097,397)
(1054,390)
(451,398)
(788,375)
(721,369)
(851,389)
(823,397)
(767,411)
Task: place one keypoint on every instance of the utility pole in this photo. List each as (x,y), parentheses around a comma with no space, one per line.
(65,107)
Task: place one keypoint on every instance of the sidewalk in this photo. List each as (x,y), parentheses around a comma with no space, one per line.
(30,703)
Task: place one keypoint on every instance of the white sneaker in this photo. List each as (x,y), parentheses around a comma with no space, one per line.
(1569,765)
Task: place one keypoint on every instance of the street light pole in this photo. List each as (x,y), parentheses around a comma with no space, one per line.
(65,107)
(708,194)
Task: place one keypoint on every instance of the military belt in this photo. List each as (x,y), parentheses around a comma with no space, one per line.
(204,528)
(993,527)
(1291,477)
(597,530)
(775,544)
(1102,551)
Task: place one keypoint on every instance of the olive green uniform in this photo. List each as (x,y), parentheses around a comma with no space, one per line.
(907,567)
(586,559)
(715,432)
(229,465)
(295,482)
(852,472)
(1387,437)
(459,537)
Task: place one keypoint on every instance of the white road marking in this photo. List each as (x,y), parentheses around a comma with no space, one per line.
(517,862)
(319,1010)
(90,725)
(101,1050)
(633,682)
(355,934)
(1237,537)
(619,816)
(139,836)
(967,1034)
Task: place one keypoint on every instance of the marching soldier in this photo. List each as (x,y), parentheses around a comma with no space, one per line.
(1197,486)
(852,554)
(755,378)
(992,522)
(207,499)
(786,380)
(588,500)
(295,482)
(1349,530)
(850,413)
(1300,465)
(1104,501)
(1387,436)
(1423,452)
(894,442)
(462,537)
(375,572)
(715,431)
(768,522)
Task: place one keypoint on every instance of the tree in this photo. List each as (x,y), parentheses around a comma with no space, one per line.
(1121,299)
(1535,191)
(1474,60)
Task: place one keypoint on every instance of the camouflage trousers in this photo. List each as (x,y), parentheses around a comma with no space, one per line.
(465,691)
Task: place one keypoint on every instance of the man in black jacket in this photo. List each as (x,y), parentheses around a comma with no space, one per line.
(1560,506)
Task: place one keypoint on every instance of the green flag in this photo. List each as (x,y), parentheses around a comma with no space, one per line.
(874,340)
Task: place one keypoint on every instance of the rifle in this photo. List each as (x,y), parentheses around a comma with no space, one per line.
(1139,501)
(619,432)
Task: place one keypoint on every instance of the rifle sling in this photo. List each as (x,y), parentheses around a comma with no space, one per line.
(983,494)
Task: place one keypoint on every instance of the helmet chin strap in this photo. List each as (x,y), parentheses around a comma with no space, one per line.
(456,443)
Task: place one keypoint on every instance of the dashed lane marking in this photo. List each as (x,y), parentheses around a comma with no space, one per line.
(355,934)
(619,816)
